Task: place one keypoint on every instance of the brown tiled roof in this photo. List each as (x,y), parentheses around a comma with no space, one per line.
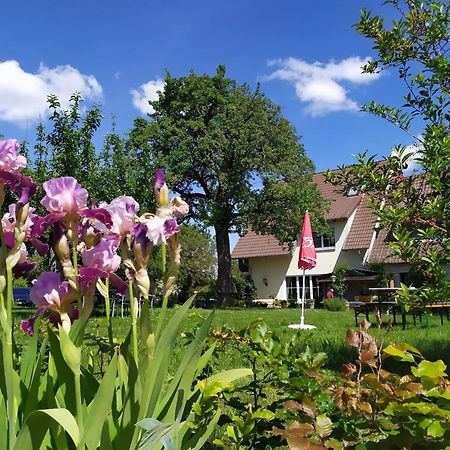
(341,206)
(252,244)
(381,251)
(361,231)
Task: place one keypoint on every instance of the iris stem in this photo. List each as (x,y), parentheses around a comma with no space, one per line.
(75,271)
(9,370)
(165,300)
(145,320)
(164,261)
(133,311)
(108,314)
(7,345)
(9,295)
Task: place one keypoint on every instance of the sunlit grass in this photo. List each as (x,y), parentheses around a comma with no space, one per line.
(431,338)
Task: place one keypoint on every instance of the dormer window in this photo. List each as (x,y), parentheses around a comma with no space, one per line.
(324,241)
(243,264)
(352,191)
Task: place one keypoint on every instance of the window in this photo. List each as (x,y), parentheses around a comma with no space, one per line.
(324,241)
(311,287)
(291,287)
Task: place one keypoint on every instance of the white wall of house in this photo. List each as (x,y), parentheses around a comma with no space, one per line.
(273,270)
(395,270)
(354,258)
(326,257)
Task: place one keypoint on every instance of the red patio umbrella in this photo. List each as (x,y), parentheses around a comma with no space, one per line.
(307,254)
(306,261)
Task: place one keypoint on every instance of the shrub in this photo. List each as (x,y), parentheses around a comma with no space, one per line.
(335,304)
(21,282)
(243,287)
(341,285)
(373,408)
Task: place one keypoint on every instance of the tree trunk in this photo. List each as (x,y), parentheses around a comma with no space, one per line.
(224,279)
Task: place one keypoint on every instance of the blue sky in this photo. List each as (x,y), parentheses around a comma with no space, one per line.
(305,54)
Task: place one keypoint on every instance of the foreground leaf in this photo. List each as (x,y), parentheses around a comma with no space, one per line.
(38,423)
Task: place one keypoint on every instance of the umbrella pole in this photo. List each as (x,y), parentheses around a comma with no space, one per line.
(302,318)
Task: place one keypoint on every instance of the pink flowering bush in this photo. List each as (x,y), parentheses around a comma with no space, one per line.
(49,399)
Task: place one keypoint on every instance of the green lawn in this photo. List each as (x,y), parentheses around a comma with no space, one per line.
(432,340)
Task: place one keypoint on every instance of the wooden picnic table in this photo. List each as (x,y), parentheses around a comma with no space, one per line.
(366,308)
(383,304)
(443,308)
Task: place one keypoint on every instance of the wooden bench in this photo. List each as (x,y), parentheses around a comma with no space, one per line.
(440,307)
(366,308)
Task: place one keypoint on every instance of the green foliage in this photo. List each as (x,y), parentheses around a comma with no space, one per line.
(375,408)
(186,403)
(215,139)
(243,288)
(67,149)
(383,279)
(198,265)
(412,210)
(21,282)
(340,286)
(280,371)
(117,170)
(335,304)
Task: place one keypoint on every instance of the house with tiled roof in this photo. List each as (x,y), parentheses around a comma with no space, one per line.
(353,241)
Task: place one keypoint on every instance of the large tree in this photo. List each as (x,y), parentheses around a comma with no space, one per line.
(414,210)
(228,150)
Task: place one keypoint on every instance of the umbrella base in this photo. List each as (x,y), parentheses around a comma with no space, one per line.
(301,326)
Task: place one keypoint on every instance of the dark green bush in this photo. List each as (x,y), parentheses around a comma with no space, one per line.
(335,304)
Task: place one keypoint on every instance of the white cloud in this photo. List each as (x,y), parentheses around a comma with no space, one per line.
(146,92)
(319,85)
(24,95)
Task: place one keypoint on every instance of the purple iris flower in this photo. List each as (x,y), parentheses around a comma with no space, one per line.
(159,229)
(66,200)
(49,292)
(159,180)
(64,195)
(19,183)
(10,160)
(123,211)
(88,276)
(103,255)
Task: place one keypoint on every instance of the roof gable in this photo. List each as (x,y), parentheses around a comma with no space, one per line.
(252,245)
(341,206)
(361,231)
